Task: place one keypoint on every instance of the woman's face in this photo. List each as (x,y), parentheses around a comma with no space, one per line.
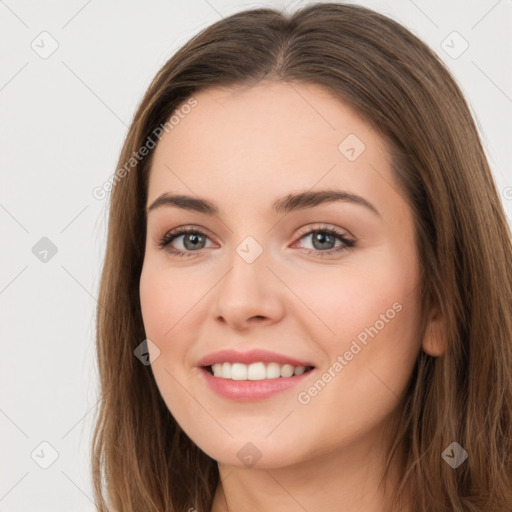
(311,281)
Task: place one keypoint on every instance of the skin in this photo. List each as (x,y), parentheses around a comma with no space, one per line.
(242,149)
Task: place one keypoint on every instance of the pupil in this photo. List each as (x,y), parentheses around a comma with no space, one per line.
(193,238)
(321,237)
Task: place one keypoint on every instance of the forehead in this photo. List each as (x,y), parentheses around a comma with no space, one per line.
(272,138)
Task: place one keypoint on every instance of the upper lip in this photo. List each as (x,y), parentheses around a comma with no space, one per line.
(248,357)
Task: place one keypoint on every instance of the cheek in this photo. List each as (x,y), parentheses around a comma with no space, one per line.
(368,310)
(368,332)
(168,301)
(348,298)
(164,313)
(155,302)
(164,307)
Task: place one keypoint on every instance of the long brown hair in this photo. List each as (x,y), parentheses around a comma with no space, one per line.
(141,459)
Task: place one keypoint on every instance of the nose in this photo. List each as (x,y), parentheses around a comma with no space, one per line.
(249,294)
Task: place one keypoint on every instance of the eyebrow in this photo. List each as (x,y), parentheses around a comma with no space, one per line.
(285,204)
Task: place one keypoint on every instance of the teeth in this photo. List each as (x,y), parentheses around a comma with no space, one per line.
(287,370)
(238,371)
(255,371)
(226,370)
(273,371)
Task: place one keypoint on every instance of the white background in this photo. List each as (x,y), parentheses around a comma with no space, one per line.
(63,120)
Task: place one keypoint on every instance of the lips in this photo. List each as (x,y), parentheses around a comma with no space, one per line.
(252,386)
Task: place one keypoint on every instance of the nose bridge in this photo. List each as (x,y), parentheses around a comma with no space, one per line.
(247,289)
(247,263)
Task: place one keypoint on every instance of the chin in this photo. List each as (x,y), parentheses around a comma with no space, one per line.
(241,452)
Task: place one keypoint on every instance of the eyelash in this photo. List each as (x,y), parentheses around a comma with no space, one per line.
(348,244)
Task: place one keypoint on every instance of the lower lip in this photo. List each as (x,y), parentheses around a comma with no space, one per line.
(248,390)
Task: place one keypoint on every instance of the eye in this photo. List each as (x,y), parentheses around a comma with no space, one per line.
(324,240)
(193,241)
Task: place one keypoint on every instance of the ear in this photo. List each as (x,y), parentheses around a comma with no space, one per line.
(434,341)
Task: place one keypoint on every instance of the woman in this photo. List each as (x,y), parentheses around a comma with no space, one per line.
(247,366)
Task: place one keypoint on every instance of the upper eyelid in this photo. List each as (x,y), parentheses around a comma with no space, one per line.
(306,230)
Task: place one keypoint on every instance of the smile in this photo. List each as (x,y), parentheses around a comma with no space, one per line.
(249,383)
